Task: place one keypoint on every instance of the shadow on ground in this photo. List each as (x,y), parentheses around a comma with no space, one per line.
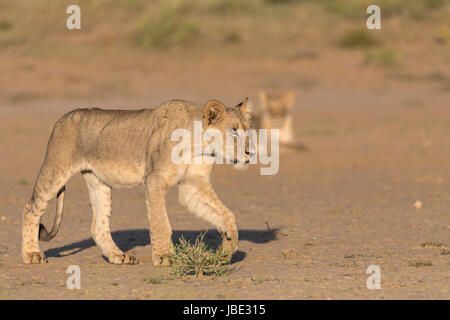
(129,239)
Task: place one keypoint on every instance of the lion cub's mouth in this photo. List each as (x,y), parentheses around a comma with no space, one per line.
(234,161)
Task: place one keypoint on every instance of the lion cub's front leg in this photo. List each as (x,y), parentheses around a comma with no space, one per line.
(198,196)
(160,229)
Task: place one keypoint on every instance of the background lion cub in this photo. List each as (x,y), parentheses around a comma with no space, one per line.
(276,113)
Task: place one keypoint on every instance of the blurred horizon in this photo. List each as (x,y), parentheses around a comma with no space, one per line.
(135,49)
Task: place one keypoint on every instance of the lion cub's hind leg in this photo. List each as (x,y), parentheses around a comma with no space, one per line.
(50,183)
(101,201)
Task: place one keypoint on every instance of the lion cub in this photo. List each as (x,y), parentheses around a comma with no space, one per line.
(276,113)
(126,148)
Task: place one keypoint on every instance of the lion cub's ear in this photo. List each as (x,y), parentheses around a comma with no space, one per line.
(245,107)
(263,99)
(289,98)
(213,112)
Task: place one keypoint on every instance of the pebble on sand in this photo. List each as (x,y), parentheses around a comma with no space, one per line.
(418,204)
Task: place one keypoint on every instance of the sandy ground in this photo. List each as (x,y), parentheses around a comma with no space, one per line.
(309,232)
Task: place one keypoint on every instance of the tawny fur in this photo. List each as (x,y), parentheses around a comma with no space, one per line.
(126,148)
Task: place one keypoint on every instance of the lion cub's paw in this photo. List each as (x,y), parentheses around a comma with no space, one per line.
(34,258)
(161,261)
(229,246)
(124,258)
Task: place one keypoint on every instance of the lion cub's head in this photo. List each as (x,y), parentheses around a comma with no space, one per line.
(232,125)
(276,108)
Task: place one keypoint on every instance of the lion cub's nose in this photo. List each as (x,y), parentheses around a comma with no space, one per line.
(250,154)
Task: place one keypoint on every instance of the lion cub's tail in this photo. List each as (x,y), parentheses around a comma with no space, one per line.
(43,233)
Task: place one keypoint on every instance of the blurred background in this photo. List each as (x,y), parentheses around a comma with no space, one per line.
(371,105)
(199,49)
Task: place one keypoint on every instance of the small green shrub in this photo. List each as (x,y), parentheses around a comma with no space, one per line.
(279,1)
(153,281)
(197,259)
(232,7)
(232,37)
(433,3)
(383,58)
(346,8)
(5,25)
(418,264)
(166,29)
(359,38)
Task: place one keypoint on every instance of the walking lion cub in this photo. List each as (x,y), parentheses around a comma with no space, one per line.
(125,148)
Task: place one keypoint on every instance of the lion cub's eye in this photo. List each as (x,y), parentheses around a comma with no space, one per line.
(234,132)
